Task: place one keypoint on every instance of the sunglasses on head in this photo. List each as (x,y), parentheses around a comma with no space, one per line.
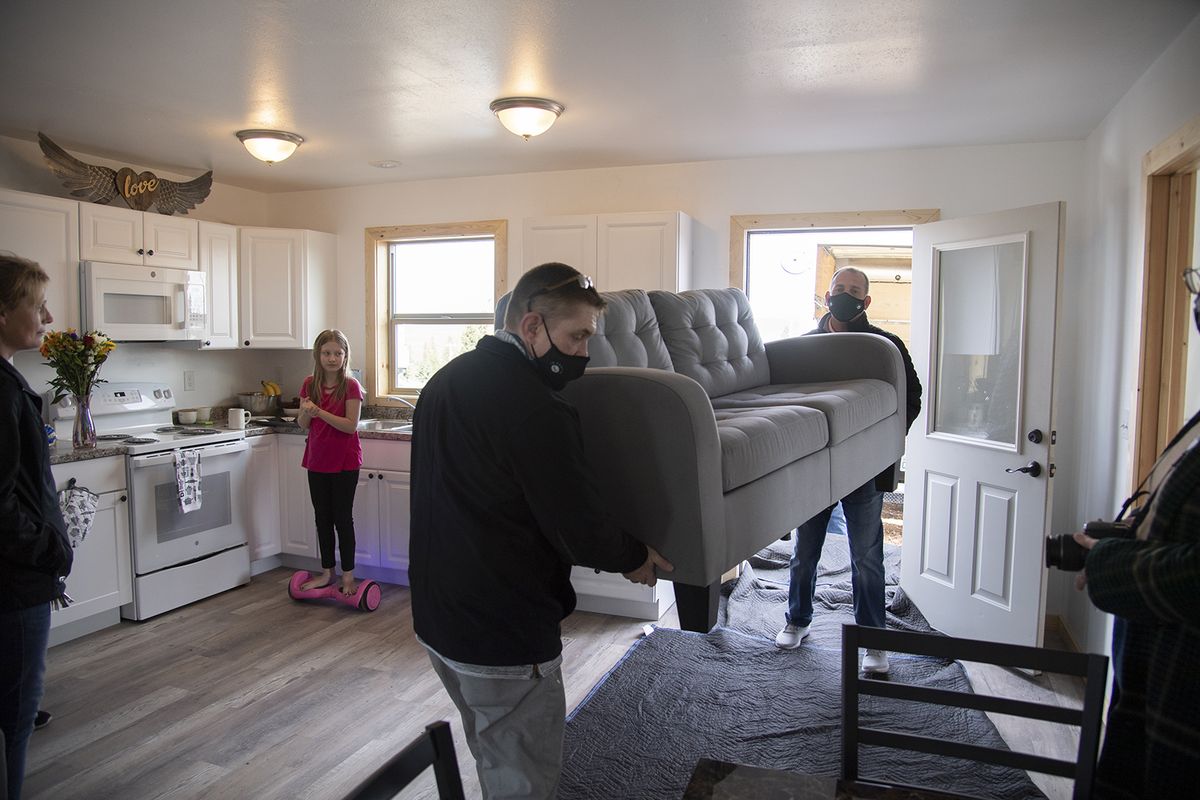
(583,281)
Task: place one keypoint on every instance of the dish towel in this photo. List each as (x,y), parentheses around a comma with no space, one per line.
(187,479)
(78,506)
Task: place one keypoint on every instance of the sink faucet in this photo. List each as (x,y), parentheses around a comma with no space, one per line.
(404,400)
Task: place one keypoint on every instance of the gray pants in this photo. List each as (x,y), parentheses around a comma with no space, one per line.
(513,719)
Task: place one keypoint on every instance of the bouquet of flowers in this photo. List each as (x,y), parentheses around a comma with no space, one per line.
(76,359)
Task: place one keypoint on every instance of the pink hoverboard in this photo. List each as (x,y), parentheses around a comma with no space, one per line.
(367,597)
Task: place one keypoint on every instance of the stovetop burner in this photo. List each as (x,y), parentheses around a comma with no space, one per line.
(139,440)
(113,437)
(169,429)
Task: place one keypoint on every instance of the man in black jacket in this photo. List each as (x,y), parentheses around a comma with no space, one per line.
(503,505)
(35,554)
(848,299)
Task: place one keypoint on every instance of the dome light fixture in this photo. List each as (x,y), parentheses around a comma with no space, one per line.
(526,116)
(268,145)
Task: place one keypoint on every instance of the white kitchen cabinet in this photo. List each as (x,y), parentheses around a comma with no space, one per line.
(381,505)
(262,489)
(125,236)
(645,250)
(101,576)
(610,593)
(46,230)
(287,281)
(218,261)
(299,531)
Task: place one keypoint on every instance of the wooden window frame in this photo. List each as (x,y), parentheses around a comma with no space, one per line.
(740,225)
(1169,170)
(378,318)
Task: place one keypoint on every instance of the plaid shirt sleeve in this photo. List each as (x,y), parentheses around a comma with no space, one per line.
(1156,581)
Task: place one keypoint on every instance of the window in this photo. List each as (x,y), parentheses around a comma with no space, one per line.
(785,263)
(431,293)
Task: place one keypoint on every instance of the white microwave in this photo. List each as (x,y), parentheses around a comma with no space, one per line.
(143,304)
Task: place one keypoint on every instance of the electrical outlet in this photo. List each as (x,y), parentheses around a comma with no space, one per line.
(189,380)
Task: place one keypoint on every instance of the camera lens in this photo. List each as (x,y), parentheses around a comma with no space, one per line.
(1064,553)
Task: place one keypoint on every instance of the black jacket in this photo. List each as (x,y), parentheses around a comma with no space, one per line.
(503,504)
(886,481)
(35,552)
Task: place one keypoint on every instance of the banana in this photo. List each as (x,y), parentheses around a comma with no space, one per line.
(271,388)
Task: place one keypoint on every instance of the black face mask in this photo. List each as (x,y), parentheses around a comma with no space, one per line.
(845,306)
(556,367)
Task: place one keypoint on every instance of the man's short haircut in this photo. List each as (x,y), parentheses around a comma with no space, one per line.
(20,280)
(856,271)
(552,290)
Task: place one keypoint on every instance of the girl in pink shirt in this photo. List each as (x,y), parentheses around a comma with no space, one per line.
(330,402)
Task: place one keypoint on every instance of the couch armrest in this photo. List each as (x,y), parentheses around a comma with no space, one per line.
(651,440)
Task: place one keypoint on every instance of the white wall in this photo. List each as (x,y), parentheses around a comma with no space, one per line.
(959,181)
(1102,309)
(219,374)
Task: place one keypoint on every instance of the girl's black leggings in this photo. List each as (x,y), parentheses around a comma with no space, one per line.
(333,502)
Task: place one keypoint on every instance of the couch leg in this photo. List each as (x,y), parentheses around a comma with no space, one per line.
(697,606)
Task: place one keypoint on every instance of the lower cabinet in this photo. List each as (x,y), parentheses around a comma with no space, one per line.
(262,487)
(381,506)
(299,529)
(101,578)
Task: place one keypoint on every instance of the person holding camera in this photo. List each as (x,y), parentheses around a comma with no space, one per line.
(1150,581)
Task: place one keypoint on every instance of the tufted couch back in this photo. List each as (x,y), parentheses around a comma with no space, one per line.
(626,335)
(711,337)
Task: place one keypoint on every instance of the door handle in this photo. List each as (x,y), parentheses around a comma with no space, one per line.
(1035,436)
(1032,469)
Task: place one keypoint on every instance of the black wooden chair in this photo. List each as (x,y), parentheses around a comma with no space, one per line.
(1093,668)
(433,748)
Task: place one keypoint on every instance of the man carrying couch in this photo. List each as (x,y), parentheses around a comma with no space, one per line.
(847,300)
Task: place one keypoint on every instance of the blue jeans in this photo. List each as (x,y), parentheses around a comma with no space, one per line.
(863,509)
(24,636)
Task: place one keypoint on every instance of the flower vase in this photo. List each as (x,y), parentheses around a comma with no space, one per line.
(84,432)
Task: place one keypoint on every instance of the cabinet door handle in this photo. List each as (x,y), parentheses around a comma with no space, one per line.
(124,498)
(141,251)
(246,343)
(149,252)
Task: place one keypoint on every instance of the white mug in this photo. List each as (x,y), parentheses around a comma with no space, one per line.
(238,418)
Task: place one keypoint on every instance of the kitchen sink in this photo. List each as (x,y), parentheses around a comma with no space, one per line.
(385,425)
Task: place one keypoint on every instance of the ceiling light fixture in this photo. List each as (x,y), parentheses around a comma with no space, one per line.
(270,146)
(526,116)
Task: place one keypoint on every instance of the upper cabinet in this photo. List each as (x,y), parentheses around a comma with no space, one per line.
(287,281)
(124,236)
(219,262)
(649,250)
(46,230)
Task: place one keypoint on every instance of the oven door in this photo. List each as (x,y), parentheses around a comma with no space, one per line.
(164,536)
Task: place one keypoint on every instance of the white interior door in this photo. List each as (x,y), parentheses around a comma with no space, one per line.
(984,291)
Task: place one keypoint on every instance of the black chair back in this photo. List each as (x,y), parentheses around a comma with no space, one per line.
(1093,668)
(433,748)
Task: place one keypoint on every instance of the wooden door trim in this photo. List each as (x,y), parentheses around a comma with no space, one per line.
(740,224)
(1169,171)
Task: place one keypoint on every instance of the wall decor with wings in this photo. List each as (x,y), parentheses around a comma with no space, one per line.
(139,190)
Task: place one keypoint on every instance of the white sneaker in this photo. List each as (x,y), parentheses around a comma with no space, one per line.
(790,637)
(875,661)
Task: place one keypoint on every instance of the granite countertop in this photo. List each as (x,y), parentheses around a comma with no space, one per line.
(64,453)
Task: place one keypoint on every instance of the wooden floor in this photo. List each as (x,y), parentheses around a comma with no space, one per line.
(251,696)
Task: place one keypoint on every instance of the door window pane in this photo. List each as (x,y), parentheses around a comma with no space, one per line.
(980,327)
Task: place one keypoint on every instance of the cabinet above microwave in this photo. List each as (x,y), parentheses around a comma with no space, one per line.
(143,304)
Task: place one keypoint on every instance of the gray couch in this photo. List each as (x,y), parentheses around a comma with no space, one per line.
(710,444)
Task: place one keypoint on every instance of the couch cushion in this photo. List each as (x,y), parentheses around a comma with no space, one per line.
(758,441)
(626,333)
(711,337)
(849,406)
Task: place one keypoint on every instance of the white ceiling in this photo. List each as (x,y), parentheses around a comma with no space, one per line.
(165,83)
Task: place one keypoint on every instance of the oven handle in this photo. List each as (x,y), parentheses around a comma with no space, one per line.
(206,452)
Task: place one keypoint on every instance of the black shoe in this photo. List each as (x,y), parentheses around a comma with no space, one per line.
(42,719)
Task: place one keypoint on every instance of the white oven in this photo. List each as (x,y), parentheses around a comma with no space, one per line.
(143,304)
(164,536)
